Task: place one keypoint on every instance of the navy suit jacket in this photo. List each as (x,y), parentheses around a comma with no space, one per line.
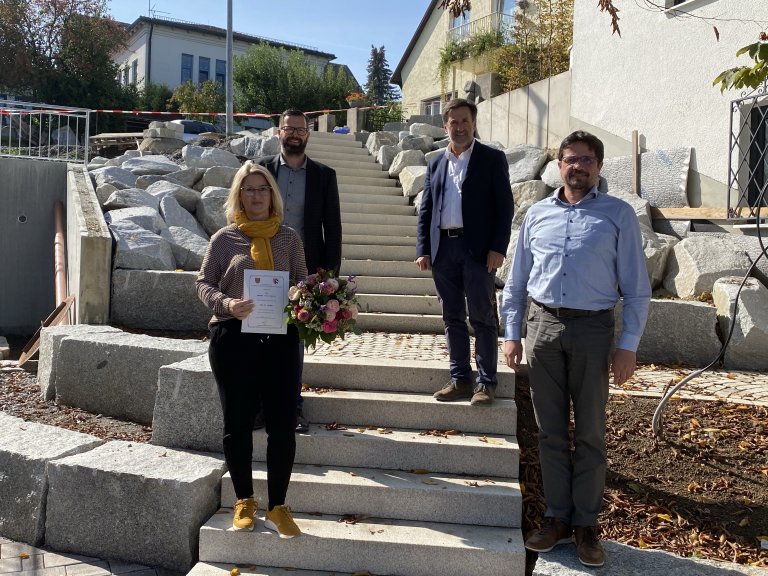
(322,214)
(486,204)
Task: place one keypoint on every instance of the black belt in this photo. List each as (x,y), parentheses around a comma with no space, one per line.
(451,232)
(569,312)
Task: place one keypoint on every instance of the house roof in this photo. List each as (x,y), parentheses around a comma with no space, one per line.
(222,33)
(396,75)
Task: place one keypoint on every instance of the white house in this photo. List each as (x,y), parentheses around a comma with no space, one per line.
(171,52)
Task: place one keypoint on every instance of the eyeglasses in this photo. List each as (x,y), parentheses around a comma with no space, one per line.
(291,130)
(585,160)
(254,190)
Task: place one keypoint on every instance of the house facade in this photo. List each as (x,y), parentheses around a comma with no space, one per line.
(171,52)
(418,72)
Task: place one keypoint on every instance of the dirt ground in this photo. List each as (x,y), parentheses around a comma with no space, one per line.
(700,491)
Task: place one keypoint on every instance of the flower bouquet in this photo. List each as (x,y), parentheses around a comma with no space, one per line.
(323,306)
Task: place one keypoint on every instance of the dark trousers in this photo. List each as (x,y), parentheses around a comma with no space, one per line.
(568,360)
(458,276)
(254,370)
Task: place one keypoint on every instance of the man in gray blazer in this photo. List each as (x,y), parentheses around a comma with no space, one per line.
(311,205)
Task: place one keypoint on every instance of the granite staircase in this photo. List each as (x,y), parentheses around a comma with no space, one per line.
(387,480)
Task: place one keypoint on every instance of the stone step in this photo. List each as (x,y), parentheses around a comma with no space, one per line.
(388,285)
(381,219)
(379,240)
(332,139)
(336,161)
(400,269)
(377,374)
(364,409)
(373,252)
(384,180)
(386,188)
(393,494)
(406,548)
(224,569)
(399,303)
(416,323)
(333,147)
(380,230)
(376,208)
(368,199)
(357,172)
(402,449)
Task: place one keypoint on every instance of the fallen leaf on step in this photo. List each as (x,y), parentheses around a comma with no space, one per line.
(383,430)
(472,483)
(420,471)
(335,426)
(366,573)
(430,481)
(234,572)
(353,518)
(24,556)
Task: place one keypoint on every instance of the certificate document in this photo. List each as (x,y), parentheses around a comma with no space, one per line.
(269,291)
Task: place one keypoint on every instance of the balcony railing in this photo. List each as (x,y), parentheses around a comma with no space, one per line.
(494,22)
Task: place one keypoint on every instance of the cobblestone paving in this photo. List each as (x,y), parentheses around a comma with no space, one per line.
(649,379)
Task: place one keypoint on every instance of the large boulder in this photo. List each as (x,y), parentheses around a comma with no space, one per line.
(161,145)
(142,216)
(529,192)
(551,174)
(503,272)
(412,179)
(188,247)
(139,249)
(255,146)
(174,215)
(422,143)
(153,164)
(187,177)
(525,162)
(199,157)
(220,176)
(25,453)
(130,198)
(421,129)
(187,197)
(378,139)
(137,502)
(117,177)
(386,155)
(210,209)
(104,191)
(748,346)
(640,205)
(406,158)
(656,248)
(697,261)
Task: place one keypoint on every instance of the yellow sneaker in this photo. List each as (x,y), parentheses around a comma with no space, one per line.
(279,520)
(245,510)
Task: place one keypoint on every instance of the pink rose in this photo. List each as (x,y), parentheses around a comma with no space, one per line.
(330,315)
(311,280)
(303,315)
(333,305)
(344,314)
(330,326)
(333,283)
(352,312)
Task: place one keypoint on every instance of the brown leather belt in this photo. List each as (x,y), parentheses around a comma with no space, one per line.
(569,312)
(452,232)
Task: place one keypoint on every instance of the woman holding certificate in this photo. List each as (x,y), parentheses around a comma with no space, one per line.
(244,278)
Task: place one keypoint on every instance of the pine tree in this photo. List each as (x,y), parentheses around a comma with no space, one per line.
(378,89)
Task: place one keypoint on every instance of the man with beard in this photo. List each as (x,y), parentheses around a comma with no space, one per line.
(311,207)
(577,253)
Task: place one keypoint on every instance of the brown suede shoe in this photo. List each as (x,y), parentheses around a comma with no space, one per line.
(588,546)
(483,395)
(454,390)
(552,532)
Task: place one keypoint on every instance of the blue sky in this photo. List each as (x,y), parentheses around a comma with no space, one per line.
(344,28)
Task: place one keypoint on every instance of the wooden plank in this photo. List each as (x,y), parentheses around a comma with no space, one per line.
(54,319)
(689,213)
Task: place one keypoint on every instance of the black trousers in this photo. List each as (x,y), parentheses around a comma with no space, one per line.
(254,370)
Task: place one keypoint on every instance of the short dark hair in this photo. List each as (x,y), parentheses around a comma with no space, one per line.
(293,112)
(459,103)
(593,142)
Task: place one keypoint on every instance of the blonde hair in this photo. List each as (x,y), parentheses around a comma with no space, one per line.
(232,206)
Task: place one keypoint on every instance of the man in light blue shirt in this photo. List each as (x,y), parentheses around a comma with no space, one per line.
(578,252)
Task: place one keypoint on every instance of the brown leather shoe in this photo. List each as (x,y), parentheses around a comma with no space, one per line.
(552,532)
(483,395)
(454,390)
(588,546)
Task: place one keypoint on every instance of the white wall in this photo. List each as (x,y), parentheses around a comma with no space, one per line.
(657,77)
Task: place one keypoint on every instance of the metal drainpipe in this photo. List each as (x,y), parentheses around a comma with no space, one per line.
(59,255)
(148,77)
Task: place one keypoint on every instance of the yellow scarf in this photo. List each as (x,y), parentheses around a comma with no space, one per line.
(260,232)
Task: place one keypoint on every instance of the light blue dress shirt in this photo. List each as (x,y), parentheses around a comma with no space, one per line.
(584,256)
(293,189)
(451,215)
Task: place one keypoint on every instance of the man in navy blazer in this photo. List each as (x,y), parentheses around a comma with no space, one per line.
(464,224)
(311,207)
